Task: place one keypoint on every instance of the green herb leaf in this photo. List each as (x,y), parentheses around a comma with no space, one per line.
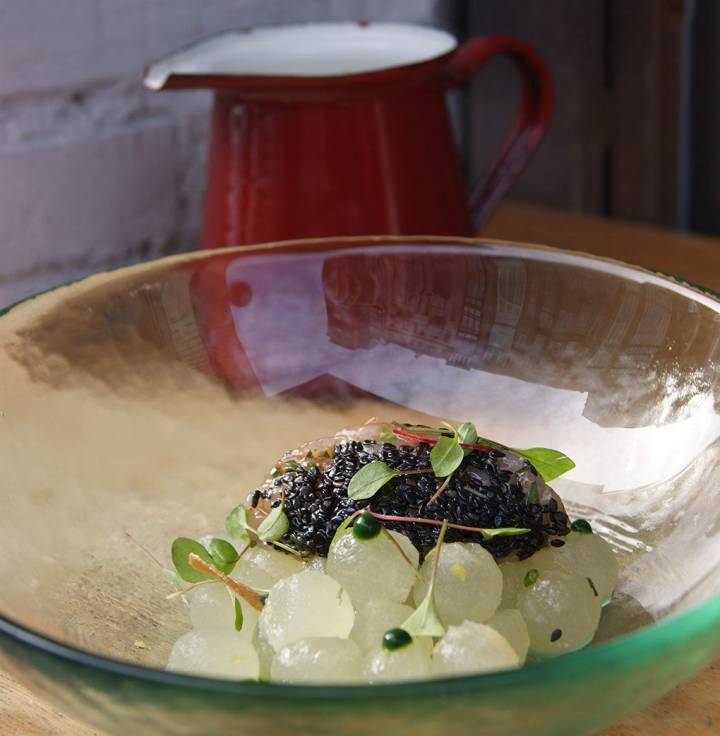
(370,479)
(387,437)
(506,531)
(446,456)
(424,620)
(530,578)
(181,549)
(237,524)
(238,615)
(581,526)
(274,525)
(223,554)
(275,472)
(467,434)
(533,496)
(344,524)
(550,464)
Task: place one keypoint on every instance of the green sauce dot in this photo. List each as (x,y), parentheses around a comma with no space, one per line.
(581,526)
(366,526)
(396,639)
(531,577)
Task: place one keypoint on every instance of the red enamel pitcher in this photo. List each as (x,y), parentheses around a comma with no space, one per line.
(327,129)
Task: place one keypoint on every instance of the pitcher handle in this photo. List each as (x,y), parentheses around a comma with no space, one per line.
(531,121)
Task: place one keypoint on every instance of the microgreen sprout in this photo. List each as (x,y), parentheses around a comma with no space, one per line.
(424,620)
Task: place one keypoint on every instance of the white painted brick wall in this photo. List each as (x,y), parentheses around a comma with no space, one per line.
(95,171)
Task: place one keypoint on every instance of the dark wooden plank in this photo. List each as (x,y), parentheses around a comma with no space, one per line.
(615,143)
(704,215)
(567,170)
(646,93)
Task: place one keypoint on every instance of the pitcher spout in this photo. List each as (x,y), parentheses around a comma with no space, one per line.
(302,52)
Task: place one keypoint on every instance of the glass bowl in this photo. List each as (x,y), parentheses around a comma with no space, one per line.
(143,404)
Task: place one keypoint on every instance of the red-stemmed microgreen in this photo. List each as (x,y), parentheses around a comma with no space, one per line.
(207,569)
(509,531)
(424,620)
(399,548)
(549,464)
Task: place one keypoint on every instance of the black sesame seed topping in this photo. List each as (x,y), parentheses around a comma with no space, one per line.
(557,543)
(478,494)
(556,634)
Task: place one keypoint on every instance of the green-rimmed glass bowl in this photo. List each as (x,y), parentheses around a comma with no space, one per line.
(141,405)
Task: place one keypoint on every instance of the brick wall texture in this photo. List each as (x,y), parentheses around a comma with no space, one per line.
(95,171)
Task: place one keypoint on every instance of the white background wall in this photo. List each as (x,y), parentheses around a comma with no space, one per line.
(95,171)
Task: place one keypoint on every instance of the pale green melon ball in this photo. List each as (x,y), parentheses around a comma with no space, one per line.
(265,654)
(411,662)
(468,585)
(263,565)
(373,619)
(373,568)
(215,653)
(514,574)
(561,613)
(510,623)
(472,648)
(308,604)
(213,605)
(317,563)
(318,660)
(589,556)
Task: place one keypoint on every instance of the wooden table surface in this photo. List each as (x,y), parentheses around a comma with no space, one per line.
(692,709)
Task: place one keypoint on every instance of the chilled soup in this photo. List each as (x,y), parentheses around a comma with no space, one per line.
(392,552)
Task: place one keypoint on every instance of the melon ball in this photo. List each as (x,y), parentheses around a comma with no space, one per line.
(215,653)
(317,563)
(472,648)
(318,660)
(468,585)
(265,654)
(213,605)
(373,568)
(411,662)
(591,557)
(510,624)
(373,618)
(263,565)
(561,612)
(308,604)
(514,574)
